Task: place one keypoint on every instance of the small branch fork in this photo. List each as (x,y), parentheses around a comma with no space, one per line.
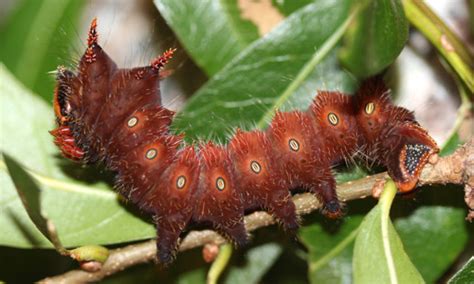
(457,168)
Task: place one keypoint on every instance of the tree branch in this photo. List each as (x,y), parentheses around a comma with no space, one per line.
(456,169)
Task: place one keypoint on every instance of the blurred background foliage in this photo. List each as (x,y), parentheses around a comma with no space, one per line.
(236,61)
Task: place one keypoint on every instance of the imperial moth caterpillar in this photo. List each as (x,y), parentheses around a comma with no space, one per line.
(114,116)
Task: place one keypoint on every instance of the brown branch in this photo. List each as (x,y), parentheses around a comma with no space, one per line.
(456,169)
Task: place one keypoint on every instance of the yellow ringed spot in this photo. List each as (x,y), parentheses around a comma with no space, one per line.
(294,145)
(132,121)
(181,182)
(369,108)
(220,183)
(333,119)
(151,154)
(255,167)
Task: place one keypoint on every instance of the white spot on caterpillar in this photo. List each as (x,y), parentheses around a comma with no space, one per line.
(333,119)
(369,108)
(255,167)
(294,145)
(181,182)
(151,154)
(132,121)
(220,183)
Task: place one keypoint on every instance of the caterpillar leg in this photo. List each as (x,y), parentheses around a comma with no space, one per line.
(283,209)
(234,231)
(168,230)
(324,188)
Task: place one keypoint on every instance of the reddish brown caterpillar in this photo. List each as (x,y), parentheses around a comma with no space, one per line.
(111,115)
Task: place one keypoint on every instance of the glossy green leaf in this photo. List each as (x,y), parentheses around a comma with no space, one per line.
(465,274)
(36,38)
(213,32)
(282,70)
(83,213)
(376,38)
(433,237)
(379,256)
(330,253)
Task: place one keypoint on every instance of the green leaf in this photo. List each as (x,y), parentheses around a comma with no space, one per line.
(36,38)
(330,253)
(30,195)
(433,237)
(465,274)
(376,37)
(258,261)
(282,70)
(450,145)
(83,212)
(379,256)
(286,7)
(213,32)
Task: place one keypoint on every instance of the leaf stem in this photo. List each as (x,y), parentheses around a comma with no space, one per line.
(385,202)
(447,43)
(225,251)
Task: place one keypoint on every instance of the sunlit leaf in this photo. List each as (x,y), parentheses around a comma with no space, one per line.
(379,256)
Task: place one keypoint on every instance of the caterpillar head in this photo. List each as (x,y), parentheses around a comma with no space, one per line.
(411,147)
(375,111)
(391,135)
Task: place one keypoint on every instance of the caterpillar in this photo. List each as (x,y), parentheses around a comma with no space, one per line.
(114,116)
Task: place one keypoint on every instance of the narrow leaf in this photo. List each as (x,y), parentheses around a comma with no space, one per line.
(379,256)
(219,264)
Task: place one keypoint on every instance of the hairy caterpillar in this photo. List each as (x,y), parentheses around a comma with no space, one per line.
(111,115)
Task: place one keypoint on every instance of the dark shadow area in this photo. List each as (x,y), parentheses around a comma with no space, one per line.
(30,265)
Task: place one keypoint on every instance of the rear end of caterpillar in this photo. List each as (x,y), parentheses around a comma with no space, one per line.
(114,116)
